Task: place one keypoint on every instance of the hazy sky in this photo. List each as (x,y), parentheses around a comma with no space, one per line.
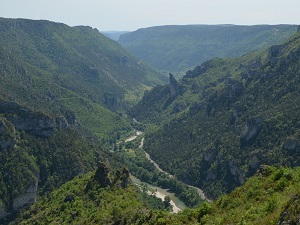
(128,15)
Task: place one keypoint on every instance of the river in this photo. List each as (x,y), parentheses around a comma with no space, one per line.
(199,191)
(159,192)
(177,205)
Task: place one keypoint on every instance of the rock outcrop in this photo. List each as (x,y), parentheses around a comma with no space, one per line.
(236,172)
(251,130)
(28,197)
(174,88)
(291,213)
(125,178)
(102,175)
(24,119)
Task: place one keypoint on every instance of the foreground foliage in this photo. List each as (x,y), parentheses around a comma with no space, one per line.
(269,197)
(86,200)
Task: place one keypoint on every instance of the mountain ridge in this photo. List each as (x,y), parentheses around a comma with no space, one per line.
(178,48)
(56,68)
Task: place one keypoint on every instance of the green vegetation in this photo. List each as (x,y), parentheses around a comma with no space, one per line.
(269,197)
(87,200)
(54,68)
(47,162)
(263,199)
(230,115)
(180,48)
(63,96)
(133,156)
(38,154)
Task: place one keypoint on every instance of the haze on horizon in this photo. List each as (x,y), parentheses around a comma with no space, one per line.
(129,15)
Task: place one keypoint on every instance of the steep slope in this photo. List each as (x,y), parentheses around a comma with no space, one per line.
(97,198)
(179,48)
(226,117)
(269,197)
(56,68)
(38,153)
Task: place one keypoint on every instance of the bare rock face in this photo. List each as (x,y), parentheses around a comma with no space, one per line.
(34,123)
(254,164)
(291,214)
(236,173)
(102,175)
(28,197)
(174,88)
(125,178)
(251,130)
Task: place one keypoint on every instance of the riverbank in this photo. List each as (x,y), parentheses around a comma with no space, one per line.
(177,205)
(199,191)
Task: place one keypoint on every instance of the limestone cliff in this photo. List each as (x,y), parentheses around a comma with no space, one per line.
(174,88)
(28,197)
(24,119)
(251,130)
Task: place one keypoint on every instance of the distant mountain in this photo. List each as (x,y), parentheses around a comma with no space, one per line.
(55,68)
(217,125)
(179,48)
(114,35)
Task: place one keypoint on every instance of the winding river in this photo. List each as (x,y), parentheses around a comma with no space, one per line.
(199,191)
(157,191)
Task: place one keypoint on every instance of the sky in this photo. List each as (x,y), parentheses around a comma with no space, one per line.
(130,15)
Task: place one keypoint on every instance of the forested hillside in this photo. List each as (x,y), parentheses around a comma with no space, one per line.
(66,97)
(270,197)
(179,48)
(63,91)
(225,118)
(38,153)
(57,69)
